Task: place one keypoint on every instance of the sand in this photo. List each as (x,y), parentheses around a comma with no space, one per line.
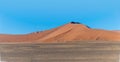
(67,33)
(118,31)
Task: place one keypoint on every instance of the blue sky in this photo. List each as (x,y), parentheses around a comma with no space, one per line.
(25,16)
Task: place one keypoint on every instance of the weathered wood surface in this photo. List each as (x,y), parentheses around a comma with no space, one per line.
(61,52)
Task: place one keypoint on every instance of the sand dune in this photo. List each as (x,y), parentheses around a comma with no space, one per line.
(118,31)
(66,33)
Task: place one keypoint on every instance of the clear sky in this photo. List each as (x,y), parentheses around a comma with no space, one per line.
(25,16)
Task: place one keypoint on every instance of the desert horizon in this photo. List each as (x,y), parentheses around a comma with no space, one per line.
(59,30)
(73,31)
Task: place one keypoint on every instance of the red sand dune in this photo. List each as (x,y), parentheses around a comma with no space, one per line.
(117,31)
(66,33)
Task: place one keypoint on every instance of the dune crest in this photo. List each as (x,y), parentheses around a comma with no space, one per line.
(73,31)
